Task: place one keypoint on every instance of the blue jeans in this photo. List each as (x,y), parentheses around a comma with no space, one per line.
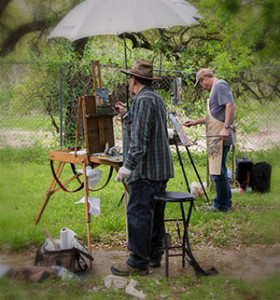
(145,218)
(223,199)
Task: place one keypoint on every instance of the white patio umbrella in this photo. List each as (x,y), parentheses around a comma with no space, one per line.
(114,17)
(106,17)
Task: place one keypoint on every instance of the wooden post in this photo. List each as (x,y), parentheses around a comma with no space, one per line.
(78,124)
(87,208)
(95,63)
(85,125)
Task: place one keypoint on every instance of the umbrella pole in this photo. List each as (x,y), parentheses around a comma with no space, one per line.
(160,63)
(125,54)
(125,59)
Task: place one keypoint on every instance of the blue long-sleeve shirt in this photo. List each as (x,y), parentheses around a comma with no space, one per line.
(146,146)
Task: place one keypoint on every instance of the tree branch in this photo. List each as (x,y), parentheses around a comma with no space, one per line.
(10,42)
(3,4)
(144,43)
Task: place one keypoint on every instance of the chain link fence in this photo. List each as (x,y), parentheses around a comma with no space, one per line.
(38,105)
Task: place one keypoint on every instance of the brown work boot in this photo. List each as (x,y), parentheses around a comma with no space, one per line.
(155,263)
(123,269)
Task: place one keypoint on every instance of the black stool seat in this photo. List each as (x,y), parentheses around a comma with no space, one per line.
(175,197)
(180,198)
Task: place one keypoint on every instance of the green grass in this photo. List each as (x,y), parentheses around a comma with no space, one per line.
(24,179)
(26,175)
(27,122)
(23,188)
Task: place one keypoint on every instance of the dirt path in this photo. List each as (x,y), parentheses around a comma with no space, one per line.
(241,262)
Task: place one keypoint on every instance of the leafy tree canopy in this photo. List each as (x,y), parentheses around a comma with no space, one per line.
(20,18)
(233,37)
(251,23)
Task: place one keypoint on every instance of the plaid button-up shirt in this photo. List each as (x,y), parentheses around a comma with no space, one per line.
(146,146)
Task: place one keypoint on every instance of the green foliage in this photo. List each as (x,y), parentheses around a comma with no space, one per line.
(227,40)
(5,96)
(253,25)
(195,110)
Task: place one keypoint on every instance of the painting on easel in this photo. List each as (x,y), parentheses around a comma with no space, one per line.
(102,100)
(179,129)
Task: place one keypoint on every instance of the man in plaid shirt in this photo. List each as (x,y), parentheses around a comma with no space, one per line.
(147,166)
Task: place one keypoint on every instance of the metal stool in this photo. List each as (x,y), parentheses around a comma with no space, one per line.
(181,198)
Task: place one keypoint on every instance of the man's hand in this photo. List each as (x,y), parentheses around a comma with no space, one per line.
(224,133)
(123,174)
(120,108)
(190,123)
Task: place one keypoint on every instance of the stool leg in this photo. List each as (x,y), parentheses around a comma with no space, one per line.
(165,243)
(184,234)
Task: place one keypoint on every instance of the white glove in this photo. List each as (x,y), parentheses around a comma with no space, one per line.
(122,174)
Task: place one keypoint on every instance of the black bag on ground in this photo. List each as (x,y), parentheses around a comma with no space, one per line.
(261,177)
(244,172)
(72,259)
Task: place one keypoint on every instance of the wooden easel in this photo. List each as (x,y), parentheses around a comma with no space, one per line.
(98,130)
(97,127)
(95,64)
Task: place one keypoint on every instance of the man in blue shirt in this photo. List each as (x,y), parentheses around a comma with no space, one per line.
(147,166)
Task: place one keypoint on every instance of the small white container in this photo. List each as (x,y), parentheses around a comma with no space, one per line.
(237,190)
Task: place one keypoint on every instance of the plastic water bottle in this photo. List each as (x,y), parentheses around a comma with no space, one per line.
(237,190)
(65,274)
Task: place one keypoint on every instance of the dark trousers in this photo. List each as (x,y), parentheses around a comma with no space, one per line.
(223,198)
(144,222)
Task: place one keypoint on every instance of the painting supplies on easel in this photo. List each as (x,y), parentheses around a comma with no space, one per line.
(97,121)
(184,141)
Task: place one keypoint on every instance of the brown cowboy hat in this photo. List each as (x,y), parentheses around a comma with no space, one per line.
(143,69)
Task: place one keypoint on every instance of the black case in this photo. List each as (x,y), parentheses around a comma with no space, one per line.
(245,172)
(257,176)
(262,177)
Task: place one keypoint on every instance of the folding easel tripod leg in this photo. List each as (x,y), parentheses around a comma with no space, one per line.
(196,172)
(187,250)
(66,182)
(87,209)
(195,169)
(182,166)
(49,192)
